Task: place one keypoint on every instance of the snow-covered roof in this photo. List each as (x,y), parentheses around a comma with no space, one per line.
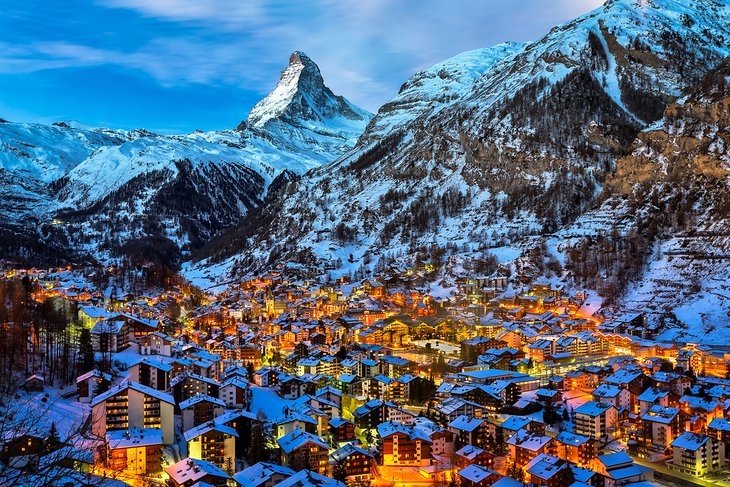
(392,427)
(93,373)
(690,441)
(201,398)
(623,376)
(660,414)
(193,469)
(476,473)
(529,441)
(572,439)
(720,424)
(592,408)
(652,394)
(94,312)
(466,423)
(607,390)
(134,438)
(328,390)
(104,326)
(545,466)
(469,451)
(507,482)
(615,459)
(514,423)
(156,364)
(339,421)
(307,478)
(204,428)
(261,473)
(299,438)
(135,386)
(490,374)
(629,472)
(346,450)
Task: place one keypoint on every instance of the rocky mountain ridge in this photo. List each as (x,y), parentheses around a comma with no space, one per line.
(97,192)
(521,148)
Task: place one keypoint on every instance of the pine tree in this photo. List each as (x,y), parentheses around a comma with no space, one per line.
(369,437)
(250,370)
(229,468)
(86,350)
(276,356)
(53,439)
(102,386)
(339,472)
(516,472)
(257,451)
(568,475)
(548,414)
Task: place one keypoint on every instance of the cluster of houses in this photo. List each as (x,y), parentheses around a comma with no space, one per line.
(281,382)
(482,425)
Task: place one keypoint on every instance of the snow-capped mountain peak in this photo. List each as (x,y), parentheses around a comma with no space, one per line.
(301,99)
(300,70)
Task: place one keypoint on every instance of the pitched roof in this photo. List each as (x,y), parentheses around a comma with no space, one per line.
(390,428)
(470,451)
(261,473)
(592,408)
(193,469)
(476,473)
(135,386)
(515,423)
(297,439)
(201,398)
(529,441)
(307,478)
(204,428)
(572,439)
(690,441)
(545,466)
(615,459)
(466,423)
(134,438)
(346,450)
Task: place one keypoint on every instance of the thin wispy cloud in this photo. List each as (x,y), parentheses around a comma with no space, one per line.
(365,50)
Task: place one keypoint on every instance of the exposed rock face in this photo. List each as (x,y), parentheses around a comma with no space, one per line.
(301,98)
(673,191)
(522,146)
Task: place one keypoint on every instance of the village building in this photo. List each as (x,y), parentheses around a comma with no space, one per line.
(137,451)
(133,405)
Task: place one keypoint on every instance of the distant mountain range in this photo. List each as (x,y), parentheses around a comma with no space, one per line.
(111,193)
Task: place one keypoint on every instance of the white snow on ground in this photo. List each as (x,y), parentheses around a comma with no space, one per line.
(440,86)
(439,345)
(41,409)
(267,400)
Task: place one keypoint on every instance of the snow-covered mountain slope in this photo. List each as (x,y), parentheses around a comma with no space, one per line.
(47,152)
(33,155)
(110,168)
(671,195)
(438,87)
(523,149)
(98,190)
(302,109)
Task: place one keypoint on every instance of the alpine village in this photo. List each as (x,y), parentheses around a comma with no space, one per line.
(514,274)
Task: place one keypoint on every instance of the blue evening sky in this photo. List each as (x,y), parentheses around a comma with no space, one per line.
(180,65)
